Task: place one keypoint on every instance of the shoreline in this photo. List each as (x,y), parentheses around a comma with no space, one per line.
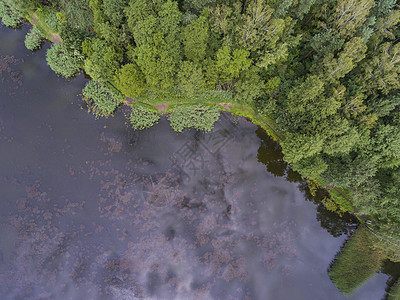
(234,109)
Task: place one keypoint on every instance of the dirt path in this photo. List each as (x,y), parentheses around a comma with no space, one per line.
(227,106)
(55,38)
(163,107)
(128,101)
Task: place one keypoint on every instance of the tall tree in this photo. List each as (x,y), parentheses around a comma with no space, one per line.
(156,28)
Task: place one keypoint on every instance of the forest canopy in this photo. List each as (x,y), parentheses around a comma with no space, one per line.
(325,74)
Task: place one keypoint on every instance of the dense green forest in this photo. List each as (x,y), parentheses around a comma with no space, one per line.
(323,75)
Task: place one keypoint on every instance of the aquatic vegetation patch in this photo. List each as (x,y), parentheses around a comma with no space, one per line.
(63,61)
(9,17)
(198,116)
(33,39)
(102,98)
(141,117)
(356,263)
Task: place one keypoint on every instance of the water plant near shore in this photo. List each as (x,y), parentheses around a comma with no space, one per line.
(356,263)
(64,62)
(33,39)
(103,99)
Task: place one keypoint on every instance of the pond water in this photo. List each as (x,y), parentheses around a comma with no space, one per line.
(90,209)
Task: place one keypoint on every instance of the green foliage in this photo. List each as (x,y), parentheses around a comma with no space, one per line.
(322,77)
(33,39)
(72,38)
(200,117)
(394,293)
(78,14)
(130,80)
(142,117)
(48,17)
(257,26)
(306,105)
(311,166)
(386,238)
(357,262)
(196,6)
(190,79)
(250,87)
(300,8)
(256,119)
(9,17)
(22,5)
(103,99)
(195,37)
(158,51)
(52,21)
(341,201)
(103,61)
(336,68)
(114,10)
(297,147)
(339,197)
(64,62)
(230,63)
(326,42)
(382,71)
(350,15)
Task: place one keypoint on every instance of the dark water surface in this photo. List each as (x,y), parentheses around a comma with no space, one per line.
(90,209)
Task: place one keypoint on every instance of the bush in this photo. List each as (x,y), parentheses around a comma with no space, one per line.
(343,203)
(394,293)
(72,38)
(8,17)
(78,13)
(356,263)
(33,39)
(63,61)
(52,21)
(49,17)
(130,80)
(142,118)
(200,117)
(102,98)
(386,238)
